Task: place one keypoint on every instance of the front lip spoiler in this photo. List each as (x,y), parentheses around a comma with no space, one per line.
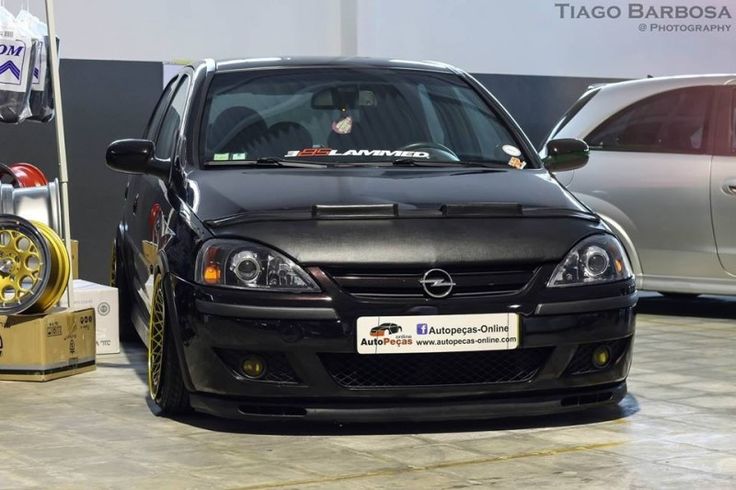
(587,305)
(425,411)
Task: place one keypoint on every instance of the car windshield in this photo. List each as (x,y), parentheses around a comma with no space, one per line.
(349,115)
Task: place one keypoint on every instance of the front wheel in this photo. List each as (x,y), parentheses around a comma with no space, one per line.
(165,383)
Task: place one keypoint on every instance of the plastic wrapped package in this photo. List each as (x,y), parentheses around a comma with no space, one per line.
(18,52)
(41,101)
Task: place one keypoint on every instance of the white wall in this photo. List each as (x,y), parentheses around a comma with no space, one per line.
(525,37)
(528,37)
(166,30)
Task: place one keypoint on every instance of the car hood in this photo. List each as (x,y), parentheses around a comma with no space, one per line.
(218,193)
(434,216)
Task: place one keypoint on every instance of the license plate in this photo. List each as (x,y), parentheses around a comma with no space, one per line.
(437,333)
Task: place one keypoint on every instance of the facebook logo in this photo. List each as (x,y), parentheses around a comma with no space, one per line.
(422,329)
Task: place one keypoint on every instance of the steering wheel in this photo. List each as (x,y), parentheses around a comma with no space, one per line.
(444,151)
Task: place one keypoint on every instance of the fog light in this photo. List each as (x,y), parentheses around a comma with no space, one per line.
(601,356)
(254,367)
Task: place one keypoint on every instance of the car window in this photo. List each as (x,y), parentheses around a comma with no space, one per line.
(158,113)
(733,122)
(573,111)
(349,114)
(671,122)
(171,121)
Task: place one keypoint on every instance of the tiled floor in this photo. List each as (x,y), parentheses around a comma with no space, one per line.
(677,428)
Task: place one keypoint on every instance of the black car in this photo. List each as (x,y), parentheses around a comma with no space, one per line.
(282,208)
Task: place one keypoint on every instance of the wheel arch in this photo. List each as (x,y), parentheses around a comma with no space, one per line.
(168,283)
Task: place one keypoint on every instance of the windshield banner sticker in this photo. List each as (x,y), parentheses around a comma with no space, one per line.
(329,152)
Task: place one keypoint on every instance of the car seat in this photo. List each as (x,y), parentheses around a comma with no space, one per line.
(282,137)
(235,129)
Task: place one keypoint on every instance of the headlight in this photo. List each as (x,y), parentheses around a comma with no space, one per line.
(246,265)
(594,260)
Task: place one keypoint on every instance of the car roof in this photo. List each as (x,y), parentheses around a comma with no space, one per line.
(321,61)
(666,83)
(613,97)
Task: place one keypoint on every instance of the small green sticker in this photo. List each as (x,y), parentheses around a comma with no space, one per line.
(240,156)
(219,157)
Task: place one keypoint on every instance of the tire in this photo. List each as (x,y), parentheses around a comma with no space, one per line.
(126,329)
(165,383)
(680,296)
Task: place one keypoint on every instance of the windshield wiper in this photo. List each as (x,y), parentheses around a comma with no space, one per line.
(282,162)
(410,162)
(270,162)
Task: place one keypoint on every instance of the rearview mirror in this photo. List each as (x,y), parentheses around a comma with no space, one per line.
(133,156)
(566,154)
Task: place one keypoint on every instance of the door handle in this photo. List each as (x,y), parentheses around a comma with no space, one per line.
(729,187)
(135,203)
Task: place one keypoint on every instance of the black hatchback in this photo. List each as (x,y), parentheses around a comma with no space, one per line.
(282,212)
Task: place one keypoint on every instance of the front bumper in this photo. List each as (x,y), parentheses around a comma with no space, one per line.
(307,340)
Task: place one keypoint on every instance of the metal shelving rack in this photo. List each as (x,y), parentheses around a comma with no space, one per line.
(60,140)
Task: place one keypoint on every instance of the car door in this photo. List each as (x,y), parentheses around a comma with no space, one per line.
(649,175)
(134,233)
(723,180)
(151,206)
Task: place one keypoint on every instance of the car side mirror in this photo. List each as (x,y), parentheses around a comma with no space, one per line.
(132,156)
(566,154)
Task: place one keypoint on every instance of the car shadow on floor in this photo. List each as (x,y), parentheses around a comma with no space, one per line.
(701,306)
(627,407)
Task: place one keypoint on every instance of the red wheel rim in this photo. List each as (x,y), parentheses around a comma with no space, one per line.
(28,175)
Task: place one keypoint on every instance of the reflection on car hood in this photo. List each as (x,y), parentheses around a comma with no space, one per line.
(222,192)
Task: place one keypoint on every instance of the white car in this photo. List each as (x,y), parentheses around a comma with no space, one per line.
(662,174)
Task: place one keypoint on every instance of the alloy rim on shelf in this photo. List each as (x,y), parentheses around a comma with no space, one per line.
(59,270)
(25,257)
(156,339)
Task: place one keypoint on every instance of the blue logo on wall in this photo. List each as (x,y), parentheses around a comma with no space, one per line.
(422,329)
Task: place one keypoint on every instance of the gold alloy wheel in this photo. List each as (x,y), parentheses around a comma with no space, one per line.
(59,269)
(24,259)
(156,339)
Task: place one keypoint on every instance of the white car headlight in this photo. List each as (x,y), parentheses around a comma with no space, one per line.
(246,265)
(595,260)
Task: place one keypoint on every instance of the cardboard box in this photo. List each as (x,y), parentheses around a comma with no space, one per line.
(104,300)
(48,346)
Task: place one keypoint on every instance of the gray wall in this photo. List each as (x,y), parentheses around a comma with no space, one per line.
(103,101)
(537,102)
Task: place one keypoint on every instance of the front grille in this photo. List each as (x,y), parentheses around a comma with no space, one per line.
(582,361)
(405,283)
(447,368)
(278,368)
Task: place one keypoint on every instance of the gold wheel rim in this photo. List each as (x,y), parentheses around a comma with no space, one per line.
(156,339)
(60,268)
(21,265)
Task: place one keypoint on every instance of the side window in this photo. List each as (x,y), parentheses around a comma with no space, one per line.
(671,122)
(732,115)
(172,120)
(159,111)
